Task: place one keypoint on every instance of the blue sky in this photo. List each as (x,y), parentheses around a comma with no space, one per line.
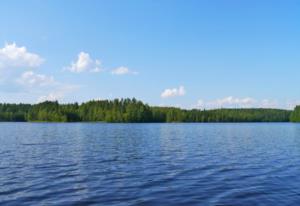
(192,54)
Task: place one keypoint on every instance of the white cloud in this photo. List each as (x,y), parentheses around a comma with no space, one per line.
(53,96)
(30,78)
(58,94)
(13,56)
(85,63)
(167,93)
(291,104)
(227,102)
(122,70)
(233,102)
(29,84)
(267,103)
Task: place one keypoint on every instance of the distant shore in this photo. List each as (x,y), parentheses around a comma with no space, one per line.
(134,111)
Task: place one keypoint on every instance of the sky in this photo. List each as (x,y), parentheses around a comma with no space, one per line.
(188,54)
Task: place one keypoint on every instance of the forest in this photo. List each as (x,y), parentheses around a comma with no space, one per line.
(132,110)
(295,115)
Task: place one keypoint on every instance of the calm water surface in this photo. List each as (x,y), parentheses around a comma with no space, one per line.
(149,164)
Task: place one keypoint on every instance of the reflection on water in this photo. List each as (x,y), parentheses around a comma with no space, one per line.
(149,164)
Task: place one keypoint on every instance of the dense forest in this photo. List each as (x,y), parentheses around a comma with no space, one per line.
(132,110)
(295,115)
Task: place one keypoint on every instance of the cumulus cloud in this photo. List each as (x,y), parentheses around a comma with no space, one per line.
(44,87)
(228,102)
(291,104)
(167,93)
(268,103)
(85,63)
(13,56)
(53,96)
(233,102)
(122,70)
(58,94)
(30,78)
(30,84)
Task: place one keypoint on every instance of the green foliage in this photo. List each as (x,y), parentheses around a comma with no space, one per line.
(14,112)
(168,114)
(124,110)
(295,116)
(132,110)
(46,112)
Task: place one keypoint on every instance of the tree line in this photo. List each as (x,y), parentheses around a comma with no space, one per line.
(295,115)
(132,110)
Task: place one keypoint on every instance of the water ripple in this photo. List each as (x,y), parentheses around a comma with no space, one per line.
(149,164)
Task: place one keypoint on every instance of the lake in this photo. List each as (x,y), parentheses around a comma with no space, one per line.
(150,164)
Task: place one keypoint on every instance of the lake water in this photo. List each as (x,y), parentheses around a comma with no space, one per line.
(149,164)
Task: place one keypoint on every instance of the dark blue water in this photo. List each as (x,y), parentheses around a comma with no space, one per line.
(149,164)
